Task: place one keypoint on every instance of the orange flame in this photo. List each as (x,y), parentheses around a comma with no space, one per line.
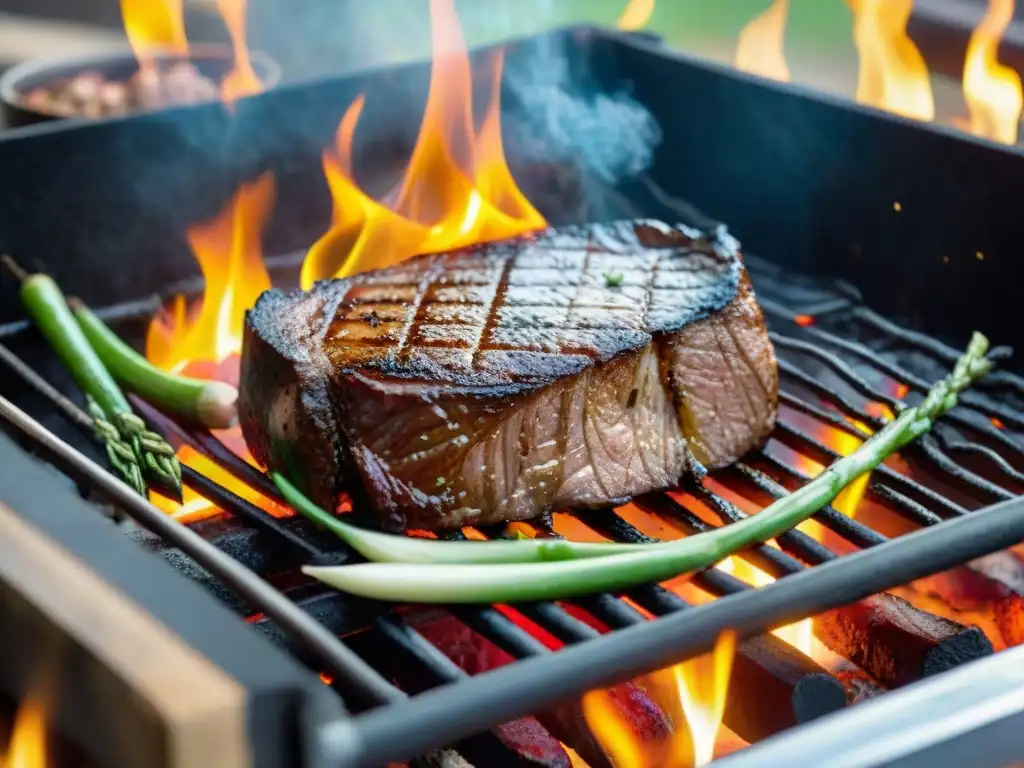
(844,444)
(152,27)
(702,684)
(156,27)
(456,190)
(208,342)
(27,748)
(893,74)
(992,90)
(760,48)
(242,80)
(800,634)
(230,256)
(636,15)
(693,692)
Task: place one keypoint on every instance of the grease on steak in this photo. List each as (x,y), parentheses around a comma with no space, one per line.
(496,382)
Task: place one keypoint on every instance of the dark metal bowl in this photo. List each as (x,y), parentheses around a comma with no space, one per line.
(215,62)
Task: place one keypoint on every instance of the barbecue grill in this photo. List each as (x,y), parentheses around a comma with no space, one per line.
(881,243)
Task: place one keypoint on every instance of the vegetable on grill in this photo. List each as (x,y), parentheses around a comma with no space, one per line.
(213,404)
(498,581)
(389,548)
(133,451)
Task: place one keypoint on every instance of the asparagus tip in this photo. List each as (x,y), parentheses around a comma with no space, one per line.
(217,405)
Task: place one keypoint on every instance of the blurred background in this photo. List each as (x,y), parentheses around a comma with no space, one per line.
(811,42)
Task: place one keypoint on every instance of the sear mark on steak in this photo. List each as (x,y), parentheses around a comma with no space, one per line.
(500,381)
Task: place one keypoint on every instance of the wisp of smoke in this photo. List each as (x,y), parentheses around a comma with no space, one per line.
(558,119)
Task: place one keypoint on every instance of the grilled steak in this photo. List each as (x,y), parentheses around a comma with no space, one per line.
(577,367)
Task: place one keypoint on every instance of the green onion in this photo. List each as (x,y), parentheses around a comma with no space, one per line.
(211,403)
(523,581)
(385,547)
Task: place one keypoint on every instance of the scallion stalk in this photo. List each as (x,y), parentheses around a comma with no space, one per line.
(388,548)
(527,581)
(212,403)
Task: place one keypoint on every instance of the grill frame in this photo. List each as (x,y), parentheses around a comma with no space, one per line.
(349,739)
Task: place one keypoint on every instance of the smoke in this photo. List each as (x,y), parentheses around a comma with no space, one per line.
(561,114)
(564,116)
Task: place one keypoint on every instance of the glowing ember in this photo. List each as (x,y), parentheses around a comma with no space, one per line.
(242,80)
(456,190)
(893,74)
(636,14)
(992,90)
(760,48)
(27,748)
(693,692)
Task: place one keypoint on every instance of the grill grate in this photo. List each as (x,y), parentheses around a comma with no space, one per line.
(975,461)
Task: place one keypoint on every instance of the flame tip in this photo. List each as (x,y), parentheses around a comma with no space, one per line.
(456,190)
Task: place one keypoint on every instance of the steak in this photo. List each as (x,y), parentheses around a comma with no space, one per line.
(573,368)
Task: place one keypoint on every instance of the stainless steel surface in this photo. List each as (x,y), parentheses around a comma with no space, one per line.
(972,716)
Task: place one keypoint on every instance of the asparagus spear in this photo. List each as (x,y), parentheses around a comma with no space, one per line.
(132,450)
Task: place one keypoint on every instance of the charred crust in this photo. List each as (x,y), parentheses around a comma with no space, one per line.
(276,356)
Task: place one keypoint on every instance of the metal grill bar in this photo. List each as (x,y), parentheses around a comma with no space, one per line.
(533,684)
(808,446)
(854,532)
(899,373)
(931,346)
(335,656)
(966,478)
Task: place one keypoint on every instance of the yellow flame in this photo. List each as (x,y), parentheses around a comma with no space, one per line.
(242,80)
(152,27)
(636,15)
(457,189)
(229,254)
(799,634)
(992,90)
(844,444)
(702,684)
(612,731)
(893,74)
(27,748)
(692,692)
(761,45)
